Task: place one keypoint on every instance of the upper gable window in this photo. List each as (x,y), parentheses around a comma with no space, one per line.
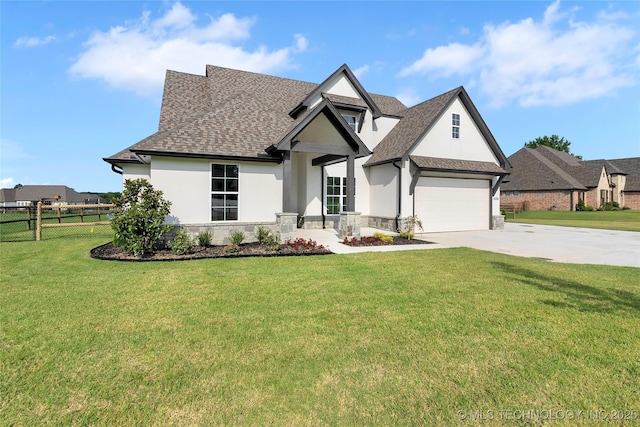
(352,120)
(455,126)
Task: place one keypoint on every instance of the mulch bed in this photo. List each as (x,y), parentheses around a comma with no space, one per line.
(109,251)
(397,240)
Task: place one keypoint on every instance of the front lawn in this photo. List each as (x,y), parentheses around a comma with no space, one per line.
(428,337)
(610,220)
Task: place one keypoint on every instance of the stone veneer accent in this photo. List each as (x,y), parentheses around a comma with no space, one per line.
(497,222)
(381,222)
(349,225)
(286,226)
(221,233)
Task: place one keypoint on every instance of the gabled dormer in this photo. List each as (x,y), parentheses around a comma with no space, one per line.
(344,85)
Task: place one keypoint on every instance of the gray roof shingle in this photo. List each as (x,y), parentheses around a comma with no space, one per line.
(544,168)
(630,166)
(415,121)
(452,165)
(227,113)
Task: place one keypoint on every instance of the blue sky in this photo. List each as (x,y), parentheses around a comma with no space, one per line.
(83,80)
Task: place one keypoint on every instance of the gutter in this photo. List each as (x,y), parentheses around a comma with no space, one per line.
(399,195)
(322,206)
(113,168)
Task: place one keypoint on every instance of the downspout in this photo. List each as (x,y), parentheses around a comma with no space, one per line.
(399,196)
(113,168)
(322,207)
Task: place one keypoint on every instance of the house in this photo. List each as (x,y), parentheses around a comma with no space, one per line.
(235,150)
(544,178)
(28,195)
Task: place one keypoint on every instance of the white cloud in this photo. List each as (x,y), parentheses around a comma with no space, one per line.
(7,183)
(135,56)
(408,97)
(33,41)
(554,61)
(360,71)
(301,42)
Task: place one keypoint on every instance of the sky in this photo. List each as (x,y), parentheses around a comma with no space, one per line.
(80,81)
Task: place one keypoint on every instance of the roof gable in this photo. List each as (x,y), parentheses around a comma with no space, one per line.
(327,109)
(325,86)
(418,120)
(533,171)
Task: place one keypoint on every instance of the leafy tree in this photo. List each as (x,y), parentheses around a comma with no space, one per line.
(138,219)
(18,186)
(554,141)
(110,195)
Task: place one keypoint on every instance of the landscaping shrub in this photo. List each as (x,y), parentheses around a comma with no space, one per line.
(611,206)
(407,235)
(580,206)
(204,239)
(237,237)
(301,244)
(263,234)
(383,237)
(410,227)
(182,243)
(138,217)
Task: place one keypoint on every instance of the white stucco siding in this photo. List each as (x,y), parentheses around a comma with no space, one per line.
(321,131)
(135,171)
(471,145)
(187,184)
(341,86)
(383,190)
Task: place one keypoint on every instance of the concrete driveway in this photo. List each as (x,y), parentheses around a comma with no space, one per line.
(559,244)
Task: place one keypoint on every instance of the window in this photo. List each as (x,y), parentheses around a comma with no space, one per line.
(455,126)
(336,198)
(516,193)
(352,121)
(224,192)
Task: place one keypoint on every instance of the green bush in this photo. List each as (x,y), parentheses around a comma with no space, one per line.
(182,243)
(237,237)
(580,206)
(138,217)
(262,234)
(204,239)
(611,206)
(407,235)
(383,237)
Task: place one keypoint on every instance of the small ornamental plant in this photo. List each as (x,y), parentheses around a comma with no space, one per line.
(138,217)
(182,243)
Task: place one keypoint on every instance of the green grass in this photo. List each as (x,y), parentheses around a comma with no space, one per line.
(610,220)
(398,338)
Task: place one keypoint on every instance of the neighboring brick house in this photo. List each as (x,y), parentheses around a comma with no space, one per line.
(28,195)
(544,179)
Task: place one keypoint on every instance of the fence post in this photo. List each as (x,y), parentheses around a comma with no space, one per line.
(39,222)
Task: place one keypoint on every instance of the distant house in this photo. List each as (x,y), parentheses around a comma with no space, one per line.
(240,149)
(544,178)
(28,195)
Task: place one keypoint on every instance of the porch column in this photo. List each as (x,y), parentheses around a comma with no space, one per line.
(287,195)
(351,184)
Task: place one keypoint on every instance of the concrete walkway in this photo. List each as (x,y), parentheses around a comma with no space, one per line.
(559,244)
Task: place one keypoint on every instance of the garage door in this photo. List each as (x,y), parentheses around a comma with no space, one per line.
(450,204)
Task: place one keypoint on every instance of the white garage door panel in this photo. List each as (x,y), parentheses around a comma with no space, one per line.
(450,204)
